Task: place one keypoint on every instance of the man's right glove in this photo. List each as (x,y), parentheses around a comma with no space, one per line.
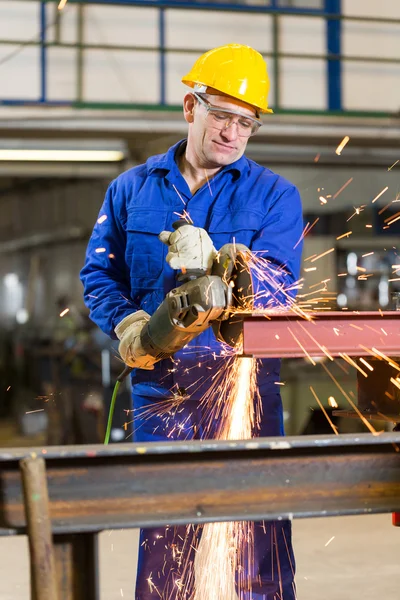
(130,347)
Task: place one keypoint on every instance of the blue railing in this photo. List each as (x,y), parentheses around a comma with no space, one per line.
(331,12)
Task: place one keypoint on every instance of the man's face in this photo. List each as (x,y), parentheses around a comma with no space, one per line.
(213,145)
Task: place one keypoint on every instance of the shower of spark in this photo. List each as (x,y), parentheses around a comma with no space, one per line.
(224,547)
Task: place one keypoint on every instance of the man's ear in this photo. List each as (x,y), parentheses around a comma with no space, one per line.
(188,107)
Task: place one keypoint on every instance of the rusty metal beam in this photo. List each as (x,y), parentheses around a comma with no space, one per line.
(288,335)
(92,488)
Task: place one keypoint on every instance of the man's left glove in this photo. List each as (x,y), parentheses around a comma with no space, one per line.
(189,248)
(130,347)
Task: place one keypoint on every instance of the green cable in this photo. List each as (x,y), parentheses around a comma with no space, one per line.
(111,412)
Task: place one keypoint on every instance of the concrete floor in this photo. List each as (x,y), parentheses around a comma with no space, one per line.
(361,562)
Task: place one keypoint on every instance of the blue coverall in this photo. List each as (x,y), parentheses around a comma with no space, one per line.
(125,270)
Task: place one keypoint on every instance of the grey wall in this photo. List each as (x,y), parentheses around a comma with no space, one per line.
(44,228)
(45,224)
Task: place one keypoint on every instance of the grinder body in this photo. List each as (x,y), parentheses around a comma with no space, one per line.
(202,300)
(186,312)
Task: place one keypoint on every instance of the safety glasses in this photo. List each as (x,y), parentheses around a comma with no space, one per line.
(222,118)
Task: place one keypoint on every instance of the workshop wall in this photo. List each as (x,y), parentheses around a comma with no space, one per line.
(46,223)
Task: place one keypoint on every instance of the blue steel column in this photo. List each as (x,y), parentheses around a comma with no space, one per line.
(43,57)
(334,47)
(161,38)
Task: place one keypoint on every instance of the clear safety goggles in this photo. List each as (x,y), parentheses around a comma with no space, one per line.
(222,118)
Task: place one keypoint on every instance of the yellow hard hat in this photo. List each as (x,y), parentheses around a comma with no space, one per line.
(236,70)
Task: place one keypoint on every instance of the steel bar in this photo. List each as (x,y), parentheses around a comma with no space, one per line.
(92,488)
(81,46)
(326,333)
(36,504)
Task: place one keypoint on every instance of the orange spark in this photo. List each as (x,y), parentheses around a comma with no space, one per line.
(395,382)
(393,220)
(368,254)
(324,350)
(182,200)
(352,363)
(102,219)
(382,210)
(100,250)
(393,165)
(323,254)
(364,362)
(342,188)
(64,312)
(305,232)
(302,347)
(342,144)
(354,407)
(208,182)
(218,557)
(344,235)
(324,411)
(317,157)
(61,4)
(380,194)
(332,402)
(329,541)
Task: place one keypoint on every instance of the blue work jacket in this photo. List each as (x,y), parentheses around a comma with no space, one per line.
(125,268)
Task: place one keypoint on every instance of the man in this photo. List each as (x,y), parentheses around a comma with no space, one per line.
(128,273)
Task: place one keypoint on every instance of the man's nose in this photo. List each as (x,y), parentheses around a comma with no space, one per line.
(229,132)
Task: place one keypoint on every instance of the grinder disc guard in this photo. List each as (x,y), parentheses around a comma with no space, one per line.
(232,267)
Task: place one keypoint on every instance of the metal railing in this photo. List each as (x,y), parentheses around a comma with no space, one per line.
(333,56)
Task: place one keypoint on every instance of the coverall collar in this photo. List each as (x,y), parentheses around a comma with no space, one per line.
(167,163)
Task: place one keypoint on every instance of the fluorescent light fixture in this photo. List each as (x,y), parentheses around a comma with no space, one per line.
(11,280)
(62,150)
(61,155)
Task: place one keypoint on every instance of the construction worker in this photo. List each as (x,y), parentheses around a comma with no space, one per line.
(130,267)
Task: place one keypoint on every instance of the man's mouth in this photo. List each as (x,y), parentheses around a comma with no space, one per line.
(226,146)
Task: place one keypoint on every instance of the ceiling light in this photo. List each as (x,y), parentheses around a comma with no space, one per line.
(13,154)
(62,150)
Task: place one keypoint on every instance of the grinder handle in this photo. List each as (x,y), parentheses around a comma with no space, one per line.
(179,223)
(124,373)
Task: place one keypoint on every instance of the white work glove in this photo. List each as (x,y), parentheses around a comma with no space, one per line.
(130,347)
(189,248)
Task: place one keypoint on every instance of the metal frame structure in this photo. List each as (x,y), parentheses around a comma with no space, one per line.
(66,500)
(92,488)
(64,496)
(333,56)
